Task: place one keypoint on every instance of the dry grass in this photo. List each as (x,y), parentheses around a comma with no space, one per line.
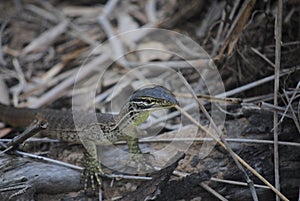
(55,54)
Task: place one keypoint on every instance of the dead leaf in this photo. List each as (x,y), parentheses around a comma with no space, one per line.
(153,51)
(237,28)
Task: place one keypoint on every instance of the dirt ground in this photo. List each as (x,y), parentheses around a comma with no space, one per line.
(232,65)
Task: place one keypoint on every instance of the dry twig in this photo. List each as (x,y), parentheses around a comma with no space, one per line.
(278,33)
(222,140)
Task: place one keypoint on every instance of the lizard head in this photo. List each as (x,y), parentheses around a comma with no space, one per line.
(154,98)
(142,102)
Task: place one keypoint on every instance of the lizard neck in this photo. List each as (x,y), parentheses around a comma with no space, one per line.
(129,117)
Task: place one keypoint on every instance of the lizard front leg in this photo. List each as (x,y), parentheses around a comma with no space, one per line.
(136,155)
(92,169)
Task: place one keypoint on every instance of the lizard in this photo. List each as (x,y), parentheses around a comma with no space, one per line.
(91,129)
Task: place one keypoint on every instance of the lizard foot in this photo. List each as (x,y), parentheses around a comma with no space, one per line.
(140,162)
(92,173)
